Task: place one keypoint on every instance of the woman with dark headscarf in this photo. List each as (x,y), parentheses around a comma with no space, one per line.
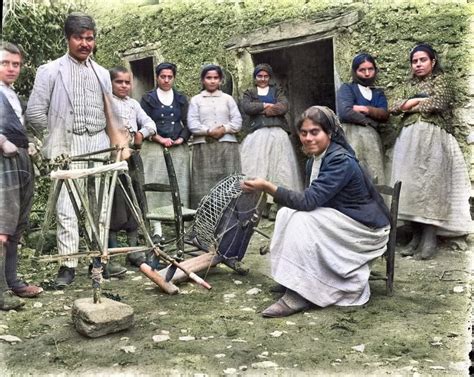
(213,119)
(267,151)
(326,237)
(168,108)
(427,158)
(361,106)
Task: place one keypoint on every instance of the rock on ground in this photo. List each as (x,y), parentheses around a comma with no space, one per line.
(95,320)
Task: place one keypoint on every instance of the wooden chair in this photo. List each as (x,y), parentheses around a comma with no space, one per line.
(394,193)
(174,213)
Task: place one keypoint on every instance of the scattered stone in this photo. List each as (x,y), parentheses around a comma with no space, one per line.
(247,309)
(160,338)
(207,337)
(359,348)
(276,334)
(228,347)
(162,313)
(237,282)
(164,332)
(136,278)
(58,293)
(253,291)
(129,272)
(243,368)
(187,338)
(78,290)
(37,305)
(219,355)
(289,323)
(437,367)
(10,339)
(228,296)
(4,327)
(124,338)
(230,371)
(65,307)
(264,365)
(94,320)
(458,289)
(128,349)
(239,341)
(184,331)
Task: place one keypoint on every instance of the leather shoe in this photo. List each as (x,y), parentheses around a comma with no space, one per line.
(279,309)
(114,269)
(65,276)
(136,258)
(9,301)
(27,291)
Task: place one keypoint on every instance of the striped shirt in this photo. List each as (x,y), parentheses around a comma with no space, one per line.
(88,102)
(133,117)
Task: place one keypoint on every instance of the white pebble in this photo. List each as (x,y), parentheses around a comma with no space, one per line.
(253,291)
(160,338)
(458,289)
(264,365)
(276,334)
(237,282)
(37,305)
(136,278)
(359,348)
(230,371)
(187,338)
(219,355)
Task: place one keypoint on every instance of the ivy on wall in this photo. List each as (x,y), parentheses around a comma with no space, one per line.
(38,30)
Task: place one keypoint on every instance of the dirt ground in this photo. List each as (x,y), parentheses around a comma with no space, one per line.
(423,330)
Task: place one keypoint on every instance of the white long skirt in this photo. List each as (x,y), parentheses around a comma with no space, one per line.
(435,181)
(324,255)
(268,153)
(367,145)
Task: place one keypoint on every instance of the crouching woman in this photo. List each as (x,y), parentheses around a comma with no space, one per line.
(326,236)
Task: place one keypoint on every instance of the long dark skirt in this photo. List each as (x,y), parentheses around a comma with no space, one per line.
(212,162)
(122,218)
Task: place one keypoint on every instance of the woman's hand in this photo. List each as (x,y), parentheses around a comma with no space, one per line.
(411,103)
(258,184)
(179,141)
(3,237)
(217,132)
(361,109)
(165,141)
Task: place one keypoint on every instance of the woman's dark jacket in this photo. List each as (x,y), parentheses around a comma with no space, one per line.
(253,107)
(342,185)
(349,95)
(172,124)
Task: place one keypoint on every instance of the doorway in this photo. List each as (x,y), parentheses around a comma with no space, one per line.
(143,76)
(306,74)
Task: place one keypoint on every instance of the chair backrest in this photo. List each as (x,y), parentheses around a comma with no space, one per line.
(394,192)
(173,189)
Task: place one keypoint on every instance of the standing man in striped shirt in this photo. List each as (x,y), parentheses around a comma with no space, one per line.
(68,101)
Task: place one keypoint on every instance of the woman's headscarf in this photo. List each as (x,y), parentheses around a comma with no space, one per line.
(165,65)
(356,62)
(329,122)
(263,67)
(425,47)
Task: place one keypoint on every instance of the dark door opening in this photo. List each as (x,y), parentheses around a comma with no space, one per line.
(143,77)
(306,73)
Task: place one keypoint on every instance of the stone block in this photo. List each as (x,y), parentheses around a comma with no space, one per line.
(106,317)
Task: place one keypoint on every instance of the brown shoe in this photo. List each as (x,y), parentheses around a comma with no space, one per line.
(279,309)
(27,291)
